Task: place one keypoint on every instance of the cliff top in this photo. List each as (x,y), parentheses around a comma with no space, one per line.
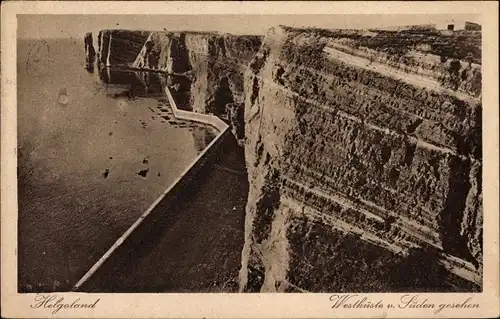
(191,32)
(462,45)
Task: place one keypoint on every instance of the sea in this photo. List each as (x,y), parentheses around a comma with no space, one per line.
(96,147)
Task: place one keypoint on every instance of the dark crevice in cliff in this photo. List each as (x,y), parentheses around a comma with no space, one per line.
(217,47)
(279,73)
(409,153)
(410,128)
(259,60)
(255,90)
(99,40)
(267,205)
(474,143)
(236,116)
(223,97)
(451,216)
(180,54)
(255,278)
(259,151)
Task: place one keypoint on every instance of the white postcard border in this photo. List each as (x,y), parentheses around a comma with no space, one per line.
(246,305)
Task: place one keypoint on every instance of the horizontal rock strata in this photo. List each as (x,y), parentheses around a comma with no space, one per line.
(364,158)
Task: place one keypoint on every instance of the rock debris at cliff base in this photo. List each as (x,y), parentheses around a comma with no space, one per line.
(363,149)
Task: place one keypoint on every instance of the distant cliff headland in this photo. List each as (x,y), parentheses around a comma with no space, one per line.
(363,149)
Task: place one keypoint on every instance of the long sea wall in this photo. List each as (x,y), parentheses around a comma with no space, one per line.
(132,238)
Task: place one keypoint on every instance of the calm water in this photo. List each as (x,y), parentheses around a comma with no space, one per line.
(95,151)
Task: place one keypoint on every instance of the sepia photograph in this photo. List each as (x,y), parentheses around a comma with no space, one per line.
(303,159)
(249,153)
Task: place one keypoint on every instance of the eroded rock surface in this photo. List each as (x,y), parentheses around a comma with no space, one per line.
(363,151)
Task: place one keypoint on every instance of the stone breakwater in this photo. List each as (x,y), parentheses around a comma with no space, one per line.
(363,150)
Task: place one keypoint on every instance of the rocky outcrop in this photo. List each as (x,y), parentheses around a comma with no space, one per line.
(213,63)
(236,117)
(219,63)
(119,48)
(363,151)
(90,53)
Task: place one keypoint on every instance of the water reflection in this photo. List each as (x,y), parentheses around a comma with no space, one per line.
(133,84)
(130,84)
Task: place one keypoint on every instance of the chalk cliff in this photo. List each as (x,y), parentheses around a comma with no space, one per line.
(363,149)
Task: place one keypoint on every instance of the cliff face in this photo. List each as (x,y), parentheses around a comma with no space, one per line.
(363,151)
(219,63)
(213,63)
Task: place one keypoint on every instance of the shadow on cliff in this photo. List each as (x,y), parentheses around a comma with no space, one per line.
(180,55)
(422,271)
(223,96)
(450,218)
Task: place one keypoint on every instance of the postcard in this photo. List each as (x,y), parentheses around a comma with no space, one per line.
(250,160)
